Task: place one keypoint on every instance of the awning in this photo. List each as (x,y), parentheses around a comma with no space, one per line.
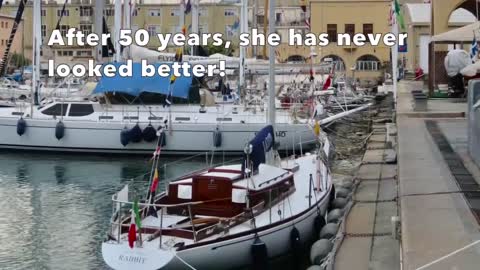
(460,35)
(137,84)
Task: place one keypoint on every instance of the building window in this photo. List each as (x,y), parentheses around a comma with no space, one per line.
(109,12)
(65,53)
(332,32)
(6,24)
(2,42)
(84,53)
(203,29)
(367,28)
(368,63)
(64,29)
(44,30)
(350,29)
(174,12)
(86,28)
(2,25)
(202,12)
(152,30)
(44,12)
(66,13)
(154,12)
(335,60)
(278,18)
(260,19)
(86,11)
(135,13)
(230,12)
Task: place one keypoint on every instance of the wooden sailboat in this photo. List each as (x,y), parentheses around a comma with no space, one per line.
(227,216)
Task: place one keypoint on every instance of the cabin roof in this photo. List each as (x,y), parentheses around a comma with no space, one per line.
(267,176)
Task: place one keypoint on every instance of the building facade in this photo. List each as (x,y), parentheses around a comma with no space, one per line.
(6,24)
(215,16)
(353,16)
(418,18)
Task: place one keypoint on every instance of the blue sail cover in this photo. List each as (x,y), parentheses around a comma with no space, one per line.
(263,142)
(137,84)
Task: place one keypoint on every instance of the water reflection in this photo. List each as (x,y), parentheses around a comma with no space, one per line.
(55,210)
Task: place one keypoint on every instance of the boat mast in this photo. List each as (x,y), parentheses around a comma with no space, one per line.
(195,15)
(265,21)
(127,9)
(37,43)
(118,26)
(271,55)
(243,29)
(99,7)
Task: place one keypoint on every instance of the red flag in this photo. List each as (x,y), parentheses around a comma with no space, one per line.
(132,232)
(327,83)
(307,23)
(154,186)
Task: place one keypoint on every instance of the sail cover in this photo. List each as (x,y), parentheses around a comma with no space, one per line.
(137,84)
(262,143)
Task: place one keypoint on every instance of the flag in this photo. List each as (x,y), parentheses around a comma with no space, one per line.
(154,186)
(132,4)
(135,222)
(316,128)
(179,55)
(1,3)
(327,83)
(236,24)
(152,210)
(474,49)
(184,30)
(391,16)
(188,7)
(399,15)
(307,23)
(311,74)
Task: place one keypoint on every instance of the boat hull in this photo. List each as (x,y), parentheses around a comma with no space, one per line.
(234,251)
(184,139)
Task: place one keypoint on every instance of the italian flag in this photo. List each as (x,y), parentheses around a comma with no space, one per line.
(398,14)
(135,222)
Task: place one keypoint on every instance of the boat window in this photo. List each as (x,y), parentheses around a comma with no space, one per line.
(57,109)
(182,118)
(224,119)
(80,109)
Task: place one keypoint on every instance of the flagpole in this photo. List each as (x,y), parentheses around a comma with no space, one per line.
(243,29)
(195,15)
(394,50)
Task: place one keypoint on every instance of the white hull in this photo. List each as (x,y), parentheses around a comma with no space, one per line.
(98,137)
(232,253)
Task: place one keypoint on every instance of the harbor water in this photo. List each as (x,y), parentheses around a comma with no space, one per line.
(55,208)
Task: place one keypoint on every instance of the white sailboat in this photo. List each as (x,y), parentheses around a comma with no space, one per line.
(227,216)
(82,125)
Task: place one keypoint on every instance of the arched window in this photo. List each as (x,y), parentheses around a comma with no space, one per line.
(368,63)
(296,59)
(339,63)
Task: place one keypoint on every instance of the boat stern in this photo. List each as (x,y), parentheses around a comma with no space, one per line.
(120,256)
